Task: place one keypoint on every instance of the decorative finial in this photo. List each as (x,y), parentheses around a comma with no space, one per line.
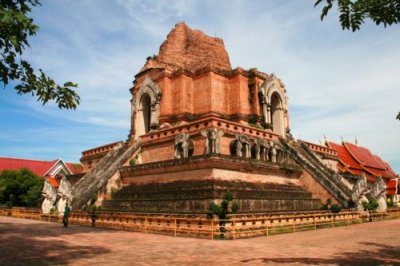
(355,140)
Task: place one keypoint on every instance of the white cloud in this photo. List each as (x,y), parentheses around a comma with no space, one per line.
(338,83)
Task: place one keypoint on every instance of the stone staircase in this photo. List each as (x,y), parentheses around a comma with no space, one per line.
(340,188)
(97,177)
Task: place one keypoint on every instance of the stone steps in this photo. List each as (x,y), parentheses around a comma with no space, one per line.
(95,179)
(325,176)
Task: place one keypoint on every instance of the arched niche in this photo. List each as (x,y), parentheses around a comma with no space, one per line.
(144,115)
(274,105)
(146,107)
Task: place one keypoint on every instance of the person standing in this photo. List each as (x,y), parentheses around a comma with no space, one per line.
(66,215)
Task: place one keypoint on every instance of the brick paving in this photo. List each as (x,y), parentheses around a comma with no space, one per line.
(26,242)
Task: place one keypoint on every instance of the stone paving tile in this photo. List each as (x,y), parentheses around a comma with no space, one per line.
(27,242)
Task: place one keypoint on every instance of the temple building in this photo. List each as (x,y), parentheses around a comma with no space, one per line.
(50,170)
(200,128)
(354,160)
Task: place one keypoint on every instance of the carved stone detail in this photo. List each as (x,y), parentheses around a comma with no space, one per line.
(183,146)
(50,197)
(273,152)
(65,195)
(261,149)
(213,139)
(378,191)
(360,189)
(242,146)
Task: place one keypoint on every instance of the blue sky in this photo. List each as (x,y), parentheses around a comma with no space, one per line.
(339,83)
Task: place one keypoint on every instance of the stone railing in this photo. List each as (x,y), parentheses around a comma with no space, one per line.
(326,177)
(341,180)
(95,179)
(319,148)
(100,150)
(237,226)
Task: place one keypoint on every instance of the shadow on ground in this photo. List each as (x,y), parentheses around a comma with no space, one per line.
(42,244)
(376,254)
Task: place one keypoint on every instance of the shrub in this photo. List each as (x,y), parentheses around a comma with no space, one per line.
(113,191)
(334,208)
(132,162)
(371,205)
(390,202)
(227,206)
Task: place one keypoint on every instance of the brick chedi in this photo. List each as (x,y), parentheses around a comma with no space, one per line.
(192,50)
(201,128)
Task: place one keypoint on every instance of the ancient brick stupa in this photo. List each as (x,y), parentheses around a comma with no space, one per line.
(199,129)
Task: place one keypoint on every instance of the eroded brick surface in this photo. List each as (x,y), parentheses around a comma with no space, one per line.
(191,50)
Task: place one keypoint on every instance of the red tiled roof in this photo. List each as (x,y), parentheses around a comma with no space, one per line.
(344,156)
(37,167)
(356,160)
(364,157)
(75,168)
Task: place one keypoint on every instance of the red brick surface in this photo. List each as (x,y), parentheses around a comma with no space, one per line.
(25,242)
(192,49)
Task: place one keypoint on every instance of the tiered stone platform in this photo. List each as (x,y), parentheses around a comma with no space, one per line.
(194,197)
(206,179)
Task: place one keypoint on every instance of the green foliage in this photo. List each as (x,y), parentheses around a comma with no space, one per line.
(354,12)
(390,202)
(15,28)
(20,188)
(222,210)
(371,205)
(93,209)
(113,191)
(190,117)
(92,199)
(327,204)
(253,121)
(334,208)
(226,207)
(132,162)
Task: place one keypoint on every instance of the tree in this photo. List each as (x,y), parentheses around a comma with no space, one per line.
(354,12)
(20,188)
(15,28)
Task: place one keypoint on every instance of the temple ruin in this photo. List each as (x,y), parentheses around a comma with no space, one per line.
(200,128)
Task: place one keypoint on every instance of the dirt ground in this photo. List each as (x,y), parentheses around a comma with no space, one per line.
(26,242)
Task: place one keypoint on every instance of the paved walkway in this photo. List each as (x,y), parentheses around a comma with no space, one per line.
(26,242)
